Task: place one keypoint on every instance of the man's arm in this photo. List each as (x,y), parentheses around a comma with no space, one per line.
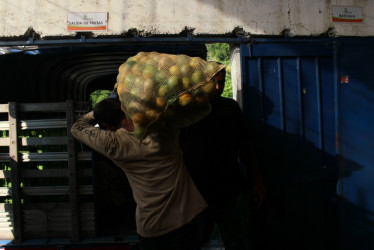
(102,141)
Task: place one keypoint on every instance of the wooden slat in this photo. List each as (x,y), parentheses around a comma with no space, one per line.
(4,141)
(51,107)
(4,125)
(55,190)
(6,234)
(5,174)
(4,157)
(46,173)
(42,107)
(5,224)
(6,216)
(51,205)
(4,207)
(36,124)
(42,124)
(5,191)
(4,108)
(46,157)
(36,141)
(82,107)
(47,190)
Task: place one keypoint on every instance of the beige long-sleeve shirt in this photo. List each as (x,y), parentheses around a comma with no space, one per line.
(165,194)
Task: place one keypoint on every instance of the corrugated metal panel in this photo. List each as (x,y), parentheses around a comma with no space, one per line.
(357,143)
(289,97)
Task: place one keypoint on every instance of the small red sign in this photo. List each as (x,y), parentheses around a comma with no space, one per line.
(344,79)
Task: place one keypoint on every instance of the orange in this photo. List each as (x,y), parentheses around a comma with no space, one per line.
(185,69)
(138,81)
(160,77)
(152,115)
(139,132)
(160,102)
(163,90)
(173,82)
(197,76)
(139,118)
(132,58)
(165,62)
(148,88)
(182,59)
(128,81)
(121,67)
(211,67)
(120,76)
(155,56)
(174,70)
(185,99)
(173,58)
(152,60)
(126,67)
(140,54)
(209,87)
(148,84)
(195,62)
(186,82)
(137,69)
(149,71)
(119,89)
(132,106)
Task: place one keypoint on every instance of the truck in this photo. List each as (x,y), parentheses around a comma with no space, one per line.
(301,71)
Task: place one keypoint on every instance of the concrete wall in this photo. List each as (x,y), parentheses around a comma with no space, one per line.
(48,18)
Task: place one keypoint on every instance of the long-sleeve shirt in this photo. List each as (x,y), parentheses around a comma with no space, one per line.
(166,196)
(212,148)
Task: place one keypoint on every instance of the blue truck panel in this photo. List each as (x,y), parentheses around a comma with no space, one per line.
(311,106)
(289,99)
(356,60)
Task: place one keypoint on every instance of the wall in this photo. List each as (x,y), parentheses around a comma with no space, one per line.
(48,18)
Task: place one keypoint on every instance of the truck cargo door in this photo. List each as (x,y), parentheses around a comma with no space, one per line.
(289,99)
(356,190)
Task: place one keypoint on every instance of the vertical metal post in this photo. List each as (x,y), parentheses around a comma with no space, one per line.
(73,178)
(15,172)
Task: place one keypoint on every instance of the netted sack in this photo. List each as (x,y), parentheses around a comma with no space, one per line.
(149,83)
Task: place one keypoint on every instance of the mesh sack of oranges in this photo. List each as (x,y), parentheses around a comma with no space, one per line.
(151,83)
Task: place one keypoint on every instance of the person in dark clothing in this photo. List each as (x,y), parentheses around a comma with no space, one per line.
(211,149)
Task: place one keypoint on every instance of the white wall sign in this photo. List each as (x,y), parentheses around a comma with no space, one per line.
(347,14)
(87,21)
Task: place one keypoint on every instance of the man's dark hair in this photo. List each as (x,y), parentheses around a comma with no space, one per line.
(108,111)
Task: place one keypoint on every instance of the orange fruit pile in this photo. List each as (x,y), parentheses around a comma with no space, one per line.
(149,82)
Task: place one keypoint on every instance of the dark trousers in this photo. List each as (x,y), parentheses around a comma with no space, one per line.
(233,218)
(184,238)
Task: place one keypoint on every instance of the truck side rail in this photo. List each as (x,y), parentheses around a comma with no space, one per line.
(41,195)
